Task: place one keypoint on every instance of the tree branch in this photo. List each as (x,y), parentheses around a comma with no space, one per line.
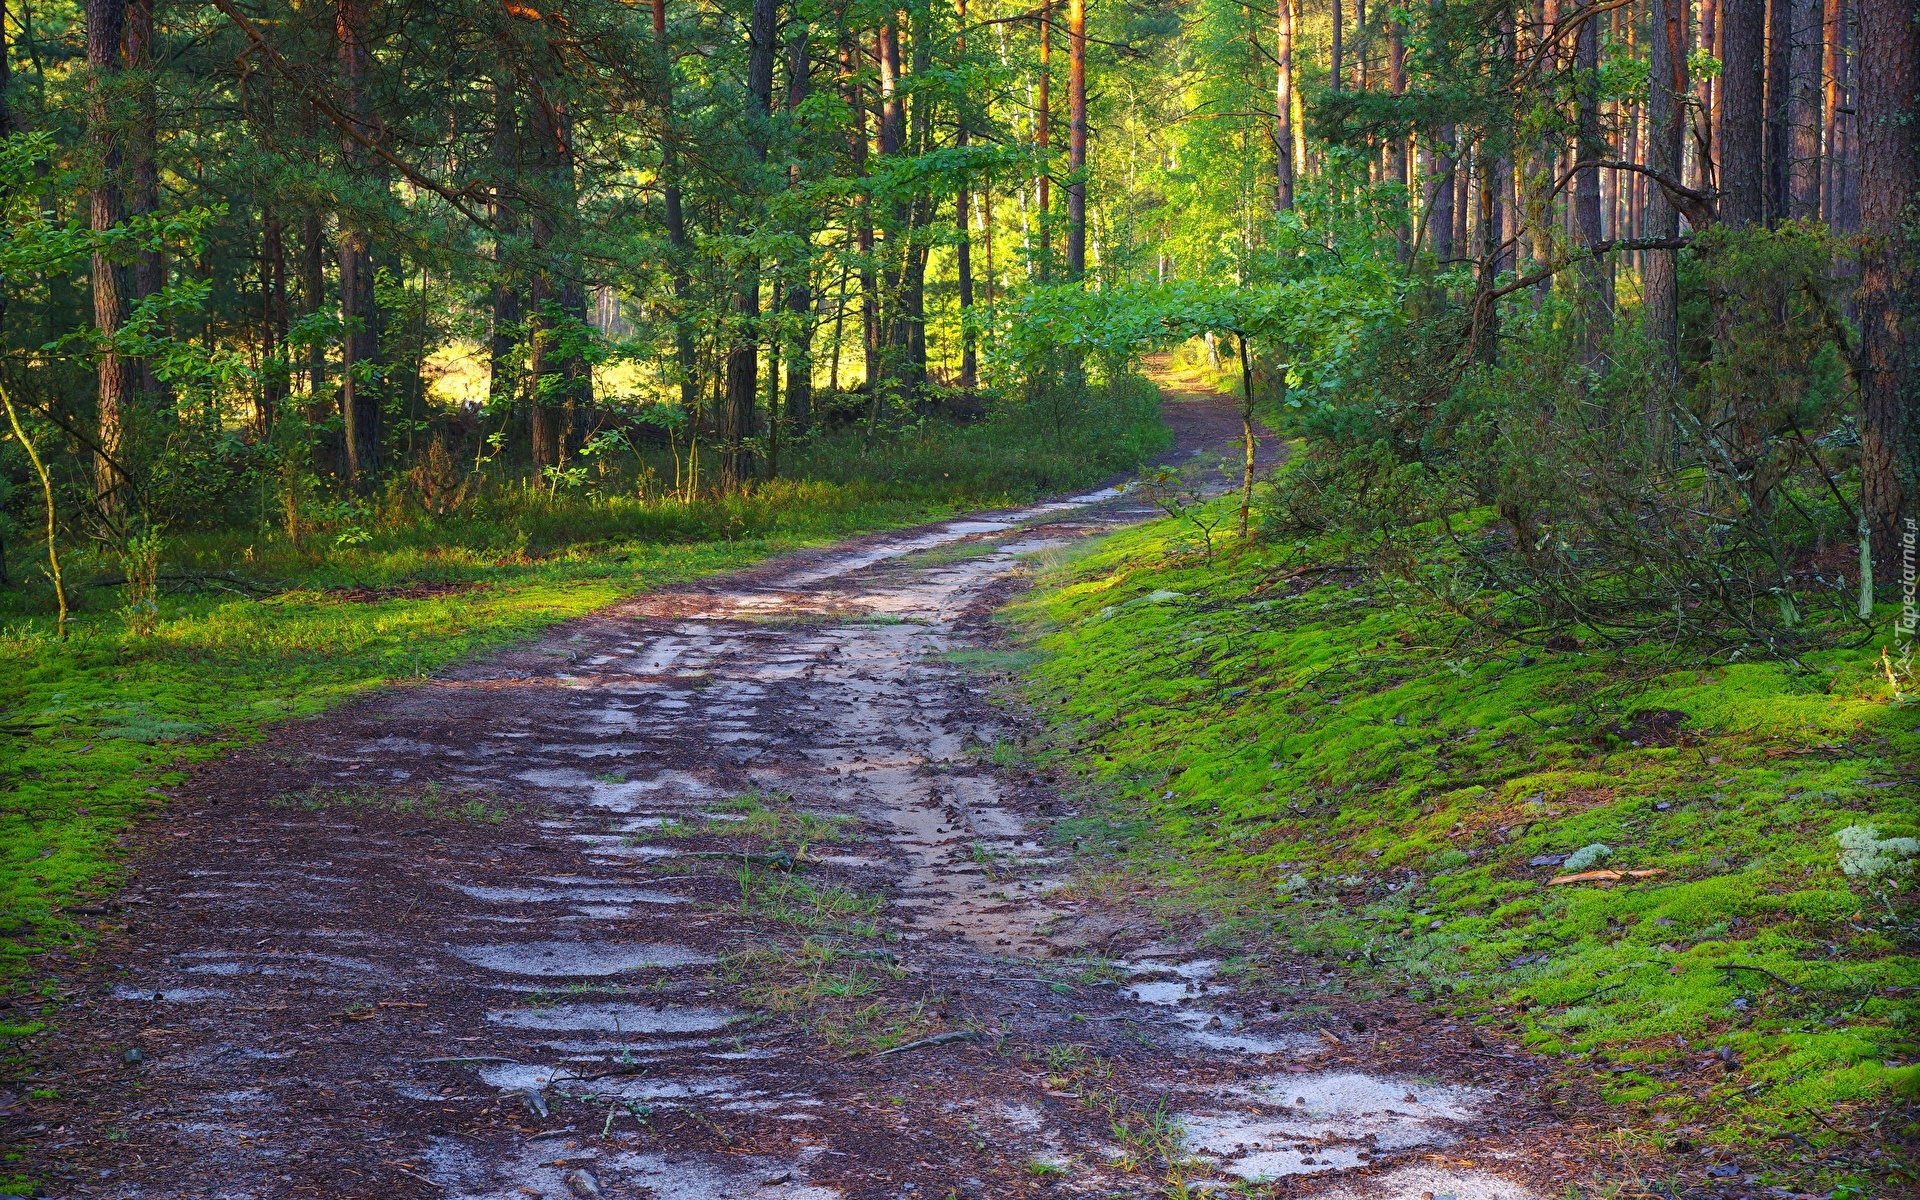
(1593,251)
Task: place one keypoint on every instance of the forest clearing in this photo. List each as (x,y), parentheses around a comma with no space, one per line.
(823,599)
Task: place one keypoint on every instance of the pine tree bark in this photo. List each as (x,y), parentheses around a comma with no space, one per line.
(1779,85)
(1889,81)
(1803,111)
(1440,201)
(1666,129)
(104,30)
(1742,112)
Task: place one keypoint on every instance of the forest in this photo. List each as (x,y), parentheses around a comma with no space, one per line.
(1570,351)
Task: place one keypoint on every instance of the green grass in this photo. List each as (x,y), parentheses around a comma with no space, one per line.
(820,907)
(1330,764)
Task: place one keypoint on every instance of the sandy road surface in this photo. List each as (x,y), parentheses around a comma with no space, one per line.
(343,981)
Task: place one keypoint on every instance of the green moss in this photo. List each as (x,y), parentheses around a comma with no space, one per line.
(1344,766)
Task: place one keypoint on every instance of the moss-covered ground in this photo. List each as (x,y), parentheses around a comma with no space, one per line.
(1312,756)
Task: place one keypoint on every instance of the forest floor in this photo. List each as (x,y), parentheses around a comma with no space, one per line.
(743,888)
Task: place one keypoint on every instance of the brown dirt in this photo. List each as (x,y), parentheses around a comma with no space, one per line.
(511,931)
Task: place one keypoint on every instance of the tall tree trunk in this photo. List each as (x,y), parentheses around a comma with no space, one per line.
(799,406)
(1076,138)
(507,315)
(1440,202)
(1705,97)
(104,27)
(1334,77)
(143,168)
(737,420)
(854,92)
(1397,153)
(1803,111)
(1666,131)
(1283,106)
(1596,305)
(1042,135)
(273,310)
(313,299)
(1778,146)
(1833,76)
(676,220)
(913,300)
(963,225)
(1742,112)
(360,351)
(1889,79)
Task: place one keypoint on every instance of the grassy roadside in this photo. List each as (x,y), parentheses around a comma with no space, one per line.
(251,628)
(1313,757)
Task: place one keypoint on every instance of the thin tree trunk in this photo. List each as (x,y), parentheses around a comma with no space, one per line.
(1397,153)
(738,420)
(799,404)
(1334,77)
(359,359)
(963,227)
(676,220)
(1076,138)
(1833,75)
(507,313)
(1742,113)
(1283,106)
(857,148)
(149,270)
(1889,78)
(104,26)
(1706,95)
(274,313)
(1596,306)
(1042,132)
(1440,204)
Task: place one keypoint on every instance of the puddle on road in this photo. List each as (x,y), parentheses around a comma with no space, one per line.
(576,958)
(579,895)
(1297,1044)
(168,995)
(1313,1123)
(617,1018)
(578,1079)
(464,1174)
(1421,1182)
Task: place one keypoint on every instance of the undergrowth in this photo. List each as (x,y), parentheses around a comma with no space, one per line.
(1318,759)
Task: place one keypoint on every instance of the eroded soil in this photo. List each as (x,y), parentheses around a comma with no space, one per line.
(678,903)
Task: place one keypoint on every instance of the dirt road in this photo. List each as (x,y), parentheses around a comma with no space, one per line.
(740,890)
